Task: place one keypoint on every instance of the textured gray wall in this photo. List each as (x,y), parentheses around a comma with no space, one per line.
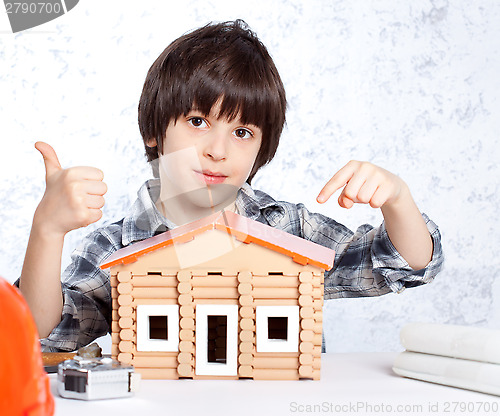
(411,86)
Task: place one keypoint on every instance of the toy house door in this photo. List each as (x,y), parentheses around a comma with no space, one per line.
(216,340)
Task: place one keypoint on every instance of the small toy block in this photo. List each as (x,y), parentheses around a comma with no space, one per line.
(247,324)
(185,370)
(306,347)
(155,362)
(113,281)
(115,337)
(153,301)
(317,304)
(126,346)
(126,322)
(318,316)
(115,351)
(185,358)
(125,311)
(275,281)
(186,335)
(306,335)
(316,375)
(215,293)
(247,312)
(275,293)
(214,281)
(305,359)
(186,311)
(317,350)
(186,346)
(305,277)
(246,300)
(306,289)
(317,339)
(114,302)
(115,327)
(124,288)
(197,302)
(114,315)
(185,299)
(245,359)
(275,302)
(246,347)
(125,358)
(187,323)
(316,363)
(245,371)
(245,288)
(305,300)
(184,287)
(244,277)
(124,276)
(124,300)
(275,374)
(184,275)
(306,371)
(317,327)
(247,336)
(307,323)
(127,335)
(158,373)
(157,292)
(317,293)
(275,362)
(114,293)
(154,281)
(306,312)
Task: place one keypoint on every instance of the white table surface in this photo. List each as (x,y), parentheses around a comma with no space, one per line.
(358,383)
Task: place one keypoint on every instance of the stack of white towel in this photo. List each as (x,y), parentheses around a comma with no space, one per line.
(452,355)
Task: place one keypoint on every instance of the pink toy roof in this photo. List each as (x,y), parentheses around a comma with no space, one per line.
(242,228)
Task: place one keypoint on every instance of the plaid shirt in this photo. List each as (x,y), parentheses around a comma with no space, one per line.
(366,262)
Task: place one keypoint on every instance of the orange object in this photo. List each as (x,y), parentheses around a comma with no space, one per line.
(24,385)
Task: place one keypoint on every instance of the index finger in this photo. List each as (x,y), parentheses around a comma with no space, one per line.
(337,181)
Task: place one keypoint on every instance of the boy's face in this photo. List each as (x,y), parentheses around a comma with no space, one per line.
(204,153)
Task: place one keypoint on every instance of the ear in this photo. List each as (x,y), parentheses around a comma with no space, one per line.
(151,143)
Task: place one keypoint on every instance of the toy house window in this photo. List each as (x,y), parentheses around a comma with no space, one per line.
(216,340)
(157,327)
(277,328)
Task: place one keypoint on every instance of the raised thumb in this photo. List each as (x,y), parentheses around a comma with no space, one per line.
(50,159)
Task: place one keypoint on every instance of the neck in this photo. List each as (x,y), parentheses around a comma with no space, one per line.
(186,208)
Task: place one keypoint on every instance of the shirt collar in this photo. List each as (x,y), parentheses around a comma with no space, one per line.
(143,219)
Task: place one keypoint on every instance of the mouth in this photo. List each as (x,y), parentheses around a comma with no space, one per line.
(209,177)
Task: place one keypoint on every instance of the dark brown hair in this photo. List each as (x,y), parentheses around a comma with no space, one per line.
(223,61)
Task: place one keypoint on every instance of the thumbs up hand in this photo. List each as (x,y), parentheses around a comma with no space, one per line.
(73,197)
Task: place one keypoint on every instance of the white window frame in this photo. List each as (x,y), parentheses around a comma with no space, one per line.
(203,367)
(144,343)
(264,344)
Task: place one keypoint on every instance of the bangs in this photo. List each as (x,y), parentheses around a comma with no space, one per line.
(241,86)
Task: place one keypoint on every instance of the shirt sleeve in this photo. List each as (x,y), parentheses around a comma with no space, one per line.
(366,262)
(86,313)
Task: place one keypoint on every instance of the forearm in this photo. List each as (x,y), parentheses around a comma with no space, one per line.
(407,230)
(40,281)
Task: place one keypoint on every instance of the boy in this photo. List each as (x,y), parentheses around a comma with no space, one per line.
(211,114)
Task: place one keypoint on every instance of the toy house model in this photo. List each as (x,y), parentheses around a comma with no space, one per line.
(222,297)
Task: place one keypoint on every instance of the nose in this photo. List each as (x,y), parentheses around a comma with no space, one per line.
(215,146)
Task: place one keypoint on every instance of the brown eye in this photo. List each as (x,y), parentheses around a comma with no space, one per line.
(197,122)
(243,134)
